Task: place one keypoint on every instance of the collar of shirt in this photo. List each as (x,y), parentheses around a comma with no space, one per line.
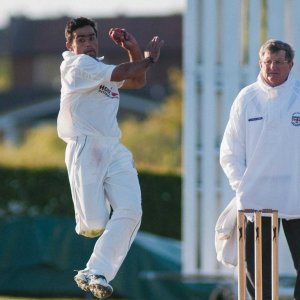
(69,54)
(277,89)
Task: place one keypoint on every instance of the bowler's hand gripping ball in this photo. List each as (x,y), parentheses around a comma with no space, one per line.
(117,35)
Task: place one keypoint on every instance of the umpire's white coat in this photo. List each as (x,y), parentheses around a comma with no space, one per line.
(101,170)
(260,151)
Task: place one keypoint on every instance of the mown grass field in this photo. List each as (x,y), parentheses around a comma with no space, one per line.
(26,298)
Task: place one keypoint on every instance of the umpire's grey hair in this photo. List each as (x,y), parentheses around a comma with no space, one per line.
(274,46)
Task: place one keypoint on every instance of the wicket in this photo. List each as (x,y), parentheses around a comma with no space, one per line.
(258,252)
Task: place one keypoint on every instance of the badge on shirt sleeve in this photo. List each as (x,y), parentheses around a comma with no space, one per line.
(296,119)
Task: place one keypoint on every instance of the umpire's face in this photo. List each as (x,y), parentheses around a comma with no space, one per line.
(274,68)
(84,42)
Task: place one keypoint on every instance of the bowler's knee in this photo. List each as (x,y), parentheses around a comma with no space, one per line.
(132,214)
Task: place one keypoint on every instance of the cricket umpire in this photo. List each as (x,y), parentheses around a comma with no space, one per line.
(260,154)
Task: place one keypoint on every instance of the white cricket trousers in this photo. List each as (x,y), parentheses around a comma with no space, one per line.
(102,175)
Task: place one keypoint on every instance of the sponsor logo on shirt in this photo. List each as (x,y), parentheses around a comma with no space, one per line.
(296,119)
(108,92)
(255,119)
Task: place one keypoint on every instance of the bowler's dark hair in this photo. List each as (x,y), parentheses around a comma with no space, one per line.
(274,46)
(76,23)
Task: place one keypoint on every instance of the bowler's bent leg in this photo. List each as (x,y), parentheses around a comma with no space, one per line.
(123,192)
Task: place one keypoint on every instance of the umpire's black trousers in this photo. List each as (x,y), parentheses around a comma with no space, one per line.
(292,232)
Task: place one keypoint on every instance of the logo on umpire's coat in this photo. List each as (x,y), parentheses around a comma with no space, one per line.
(296,119)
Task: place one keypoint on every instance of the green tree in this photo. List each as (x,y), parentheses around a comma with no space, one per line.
(156,141)
(40,147)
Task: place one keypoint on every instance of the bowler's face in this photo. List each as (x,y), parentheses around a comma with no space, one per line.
(84,42)
(274,69)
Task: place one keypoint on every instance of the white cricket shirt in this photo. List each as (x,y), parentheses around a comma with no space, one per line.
(89,100)
(260,151)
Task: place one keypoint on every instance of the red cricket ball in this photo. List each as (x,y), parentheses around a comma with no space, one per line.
(117,35)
